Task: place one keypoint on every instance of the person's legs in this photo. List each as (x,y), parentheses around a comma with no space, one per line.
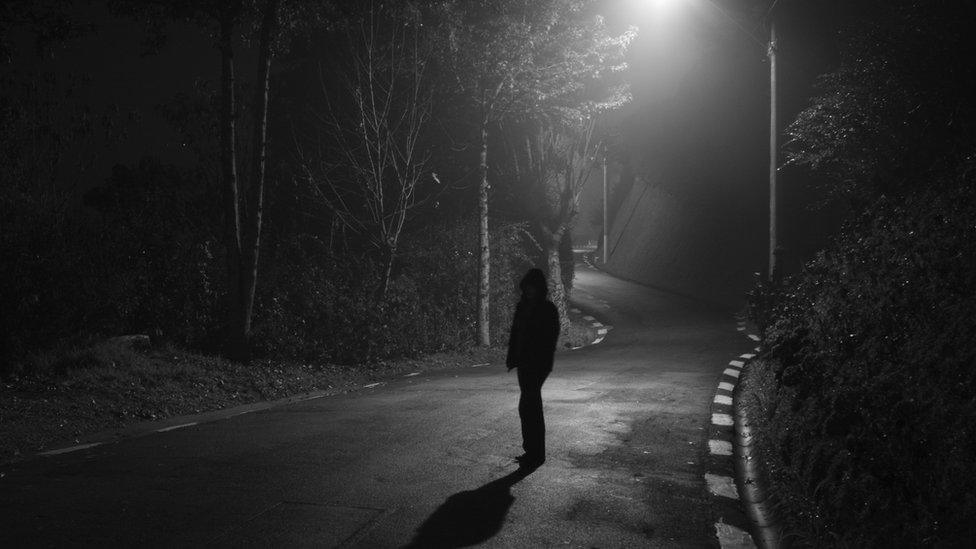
(531,416)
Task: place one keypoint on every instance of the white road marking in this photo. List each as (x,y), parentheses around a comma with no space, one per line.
(726,386)
(754,337)
(756,349)
(411,374)
(371,385)
(747,356)
(723,399)
(725,420)
(731,372)
(597,340)
(70,449)
(480,365)
(575,311)
(588,317)
(737,363)
(602,331)
(597,324)
(720,447)
(175,427)
(730,537)
(721,485)
(741,328)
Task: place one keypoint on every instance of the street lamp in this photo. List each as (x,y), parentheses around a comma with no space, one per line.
(774,250)
(605,224)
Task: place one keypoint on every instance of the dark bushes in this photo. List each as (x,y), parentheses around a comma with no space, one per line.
(142,255)
(138,258)
(874,348)
(315,303)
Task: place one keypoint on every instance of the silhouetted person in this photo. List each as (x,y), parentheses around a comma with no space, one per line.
(531,346)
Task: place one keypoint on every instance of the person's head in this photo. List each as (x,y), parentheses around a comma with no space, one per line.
(534,286)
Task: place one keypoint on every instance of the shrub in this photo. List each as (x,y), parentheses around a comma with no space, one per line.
(142,256)
(139,258)
(316,304)
(875,349)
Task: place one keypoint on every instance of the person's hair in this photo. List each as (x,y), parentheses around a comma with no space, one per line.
(536,278)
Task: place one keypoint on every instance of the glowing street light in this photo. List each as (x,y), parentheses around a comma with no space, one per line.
(659,8)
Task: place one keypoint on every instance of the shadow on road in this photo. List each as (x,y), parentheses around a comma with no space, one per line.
(469,517)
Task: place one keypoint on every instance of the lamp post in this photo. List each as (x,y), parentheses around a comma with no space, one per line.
(606,255)
(774,251)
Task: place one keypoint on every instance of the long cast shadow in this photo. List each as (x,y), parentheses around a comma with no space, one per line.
(469,517)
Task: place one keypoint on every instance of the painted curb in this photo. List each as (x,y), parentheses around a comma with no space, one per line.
(733,527)
(602,330)
(766,529)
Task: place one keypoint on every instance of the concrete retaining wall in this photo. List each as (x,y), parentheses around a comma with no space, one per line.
(706,249)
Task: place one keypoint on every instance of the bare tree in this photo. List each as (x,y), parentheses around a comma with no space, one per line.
(266,24)
(373,165)
(244,205)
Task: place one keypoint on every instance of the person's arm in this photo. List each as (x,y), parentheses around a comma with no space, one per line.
(510,358)
(553,325)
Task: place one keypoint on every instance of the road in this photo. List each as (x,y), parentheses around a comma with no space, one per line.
(424,461)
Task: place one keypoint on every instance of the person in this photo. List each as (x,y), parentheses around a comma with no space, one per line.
(531,346)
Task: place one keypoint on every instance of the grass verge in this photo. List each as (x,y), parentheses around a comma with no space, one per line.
(792,504)
(111,385)
(72,393)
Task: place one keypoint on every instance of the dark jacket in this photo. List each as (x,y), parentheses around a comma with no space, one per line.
(532,342)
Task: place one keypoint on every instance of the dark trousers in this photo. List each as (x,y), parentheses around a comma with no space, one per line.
(530,411)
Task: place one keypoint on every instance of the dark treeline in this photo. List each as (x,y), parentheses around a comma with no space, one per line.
(870,431)
(366,180)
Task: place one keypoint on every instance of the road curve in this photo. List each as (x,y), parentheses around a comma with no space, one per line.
(424,461)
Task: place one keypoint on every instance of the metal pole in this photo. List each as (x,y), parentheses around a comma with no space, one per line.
(605,222)
(773,263)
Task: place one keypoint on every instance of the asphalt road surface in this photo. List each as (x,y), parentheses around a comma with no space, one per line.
(423,461)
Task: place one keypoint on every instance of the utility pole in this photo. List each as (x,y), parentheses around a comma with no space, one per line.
(606,223)
(774,267)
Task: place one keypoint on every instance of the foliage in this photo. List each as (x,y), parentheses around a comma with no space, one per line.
(147,251)
(321,305)
(871,349)
(369,166)
(144,260)
(762,301)
(897,110)
(876,360)
(140,259)
(519,57)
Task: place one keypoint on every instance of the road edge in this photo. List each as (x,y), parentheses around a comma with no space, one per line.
(733,526)
(766,529)
(147,428)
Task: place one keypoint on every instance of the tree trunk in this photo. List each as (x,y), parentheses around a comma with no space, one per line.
(557,291)
(484,253)
(255,200)
(387,272)
(228,170)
